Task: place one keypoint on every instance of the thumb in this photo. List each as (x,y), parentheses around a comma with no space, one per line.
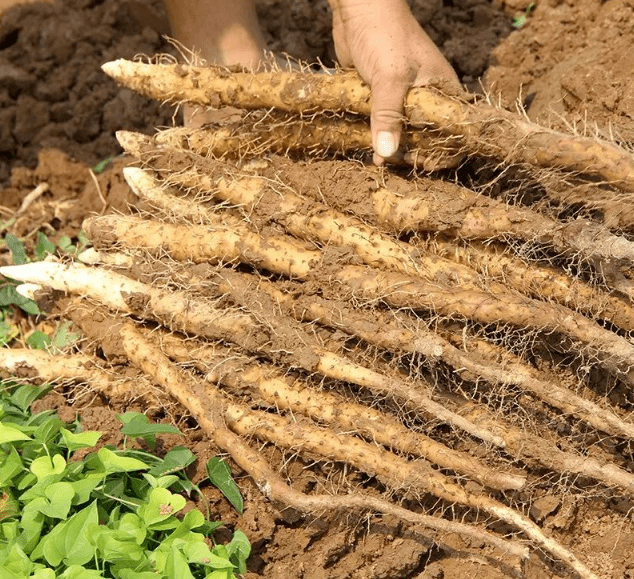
(388,97)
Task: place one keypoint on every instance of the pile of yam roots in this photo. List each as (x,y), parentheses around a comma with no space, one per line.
(464,349)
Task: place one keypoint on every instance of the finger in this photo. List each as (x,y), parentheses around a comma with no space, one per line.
(386,118)
(438,73)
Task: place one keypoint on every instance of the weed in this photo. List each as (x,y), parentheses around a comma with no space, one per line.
(111,515)
(11,299)
(520,20)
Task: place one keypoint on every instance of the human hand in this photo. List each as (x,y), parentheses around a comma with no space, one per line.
(392,53)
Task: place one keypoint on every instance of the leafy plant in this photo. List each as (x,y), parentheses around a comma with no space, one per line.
(10,298)
(520,20)
(61,338)
(8,293)
(112,514)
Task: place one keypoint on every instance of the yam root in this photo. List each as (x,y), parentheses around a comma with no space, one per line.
(432,205)
(182,312)
(238,374)
(496,262)
(213,412)
(300,217)
(397,338)
(254,136)
(26,363)
(148,358)
(226,242)
(219,366)
(613,351)
(464,214)
(483,129)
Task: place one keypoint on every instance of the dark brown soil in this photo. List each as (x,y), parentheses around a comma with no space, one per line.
(570,64)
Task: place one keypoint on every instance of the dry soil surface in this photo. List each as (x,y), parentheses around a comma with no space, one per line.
(570,64)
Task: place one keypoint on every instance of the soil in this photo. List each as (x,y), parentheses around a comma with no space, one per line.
(568,65)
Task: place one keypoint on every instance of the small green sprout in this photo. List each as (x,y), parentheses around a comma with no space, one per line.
(520,20)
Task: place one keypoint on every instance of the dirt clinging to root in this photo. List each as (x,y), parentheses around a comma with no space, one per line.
(568,65)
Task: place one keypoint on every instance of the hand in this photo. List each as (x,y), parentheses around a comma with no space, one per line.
(392,53)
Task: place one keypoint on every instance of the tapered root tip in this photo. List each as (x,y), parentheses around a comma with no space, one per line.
(130,141)
(28,290)
(124,138)
(113,68)
(36,272)
(138,180)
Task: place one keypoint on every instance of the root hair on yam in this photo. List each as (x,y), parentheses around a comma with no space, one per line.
(483,129)
(206,408)
(402,327)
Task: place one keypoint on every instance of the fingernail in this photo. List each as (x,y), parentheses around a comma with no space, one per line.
(386,144)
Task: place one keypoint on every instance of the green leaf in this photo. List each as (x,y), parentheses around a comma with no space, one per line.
(16,561)
(193,519)
(131,574)
(116,547)
(80,572)
(18,254)
(136,425)
(8,333)
(100,167)
(84,487)
(163,481)
(26,394)
(9,531)
(48,429)
(51,547)
(44,466)
(43,247)
(176,566)
(58,497)
(78,550)
(65,243)
(32,523)
(11,433)
(520,20)
(38,341)
(210,527)
(162,505)
(239,550)
(82,242)
(27,480)
(28,306)
(113,462)
(74,441)
(199,553)
(10,297)
(68,541)
(63,337)
(219,474)
(132,526)
(220,574)
(10,466)
(176,459)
